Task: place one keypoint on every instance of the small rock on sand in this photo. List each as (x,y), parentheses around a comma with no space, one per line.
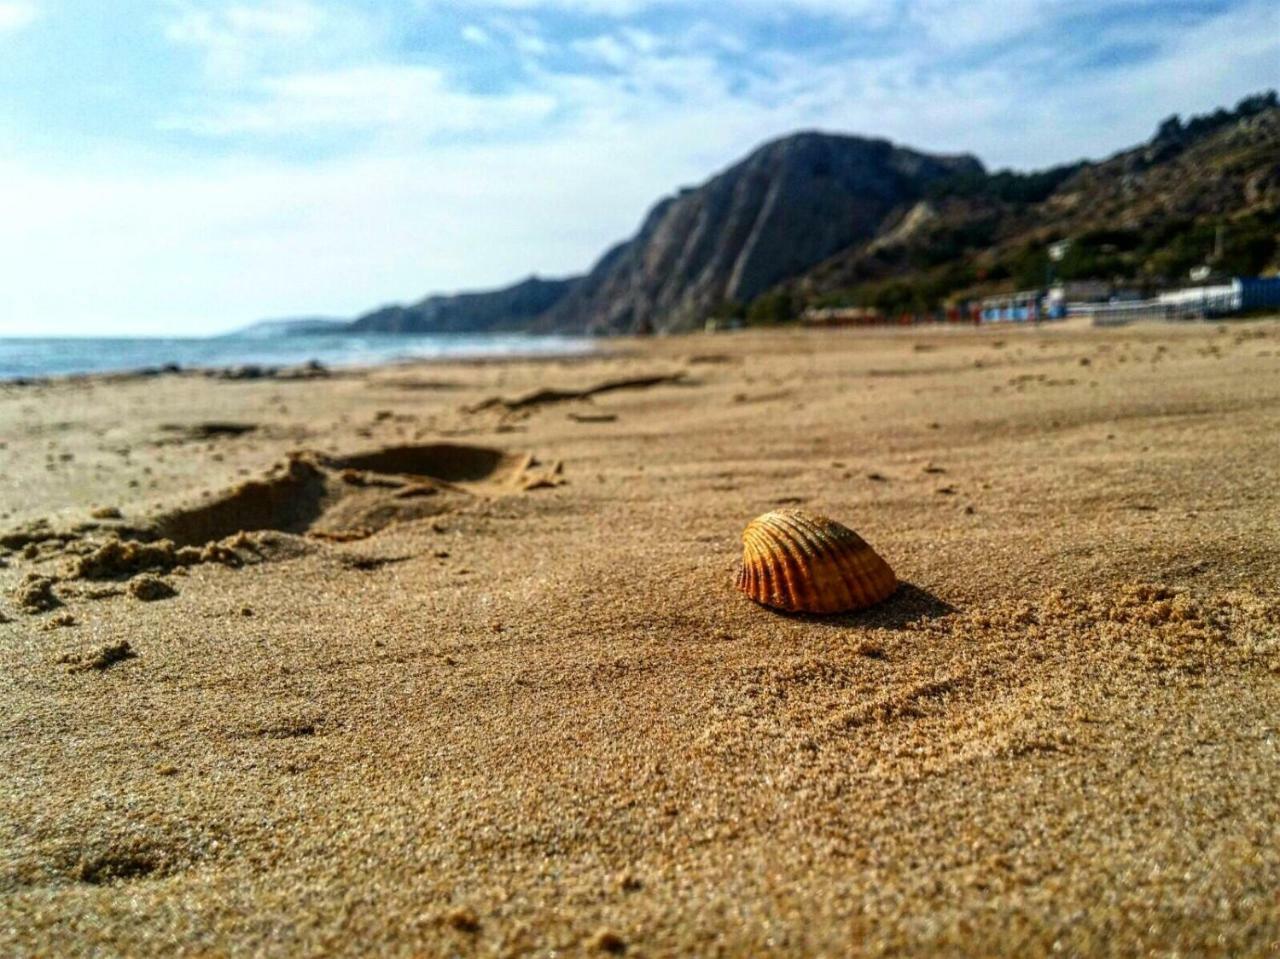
(606,940)
(99,658)
(149,587)
(463,919)
(35,594)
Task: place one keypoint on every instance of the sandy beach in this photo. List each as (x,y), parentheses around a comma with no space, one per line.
(445,659)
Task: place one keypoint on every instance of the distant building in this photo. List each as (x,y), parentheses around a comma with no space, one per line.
(1074,291)
(1025,306)
(1086,290)
(842,316)
(1204,300)
(1238,295)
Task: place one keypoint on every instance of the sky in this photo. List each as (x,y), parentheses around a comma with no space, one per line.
(183,167)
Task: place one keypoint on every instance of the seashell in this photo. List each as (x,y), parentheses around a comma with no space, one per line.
(802,562)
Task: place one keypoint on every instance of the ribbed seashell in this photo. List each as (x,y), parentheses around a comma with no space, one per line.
(801,562)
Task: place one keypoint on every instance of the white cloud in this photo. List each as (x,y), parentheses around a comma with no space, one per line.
(609,50)
(294,20)
(215,246)
(17,14)
(211,24)
(240,40)
(405,101)
(957,23)
(1198,69)
(523,33)
(608,8)
(477,35)
(622,9)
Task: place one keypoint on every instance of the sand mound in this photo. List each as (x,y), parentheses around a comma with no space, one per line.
(121,559)
(343,497)
(35,594)
(100,658)
(547,396)
(118,864)
(149,588)
(33,534)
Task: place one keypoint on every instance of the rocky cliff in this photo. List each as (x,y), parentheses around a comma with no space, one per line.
(785,208)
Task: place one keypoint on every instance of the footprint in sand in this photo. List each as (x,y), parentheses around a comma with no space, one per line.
(310,496)
(350,497)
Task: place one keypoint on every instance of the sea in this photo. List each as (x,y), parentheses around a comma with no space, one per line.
(23,357)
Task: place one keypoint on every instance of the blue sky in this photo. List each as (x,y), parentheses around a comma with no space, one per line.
(186,166)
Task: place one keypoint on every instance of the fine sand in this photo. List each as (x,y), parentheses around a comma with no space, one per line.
(446,659)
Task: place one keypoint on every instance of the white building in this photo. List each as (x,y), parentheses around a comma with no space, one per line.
(1209,300)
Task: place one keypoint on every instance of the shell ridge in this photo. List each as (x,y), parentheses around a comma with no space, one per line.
(786,559)
(749,573)
(791,566)
(768,589)
(852,565)
(827,555)
(864,570)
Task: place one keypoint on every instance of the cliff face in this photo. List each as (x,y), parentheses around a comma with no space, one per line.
(785,208)
(514,307)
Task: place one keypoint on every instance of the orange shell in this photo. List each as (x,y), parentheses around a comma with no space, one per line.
(800,562)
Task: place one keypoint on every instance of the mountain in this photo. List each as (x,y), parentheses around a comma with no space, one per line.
(785,208)
(819,219)
(301,326)
(510,308)
(1201,192)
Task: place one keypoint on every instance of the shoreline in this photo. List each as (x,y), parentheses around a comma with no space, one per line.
(303,365)
(588,347)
